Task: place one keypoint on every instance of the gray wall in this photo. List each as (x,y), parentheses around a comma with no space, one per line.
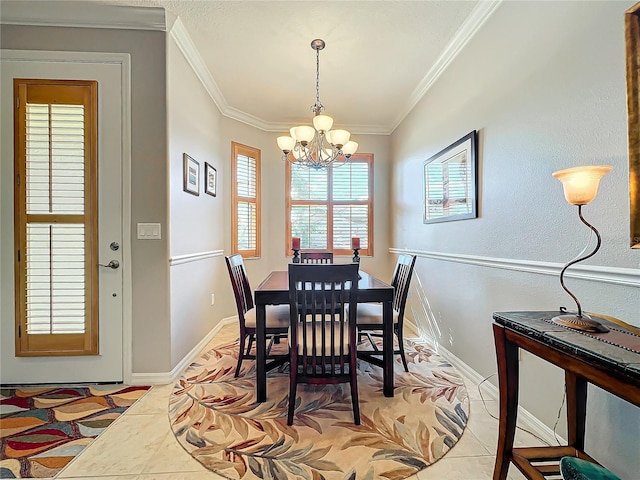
(544,84)
(149,192)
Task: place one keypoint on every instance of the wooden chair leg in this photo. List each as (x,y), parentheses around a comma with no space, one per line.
(354,390)
(401,346)
(293,370)
(240,353)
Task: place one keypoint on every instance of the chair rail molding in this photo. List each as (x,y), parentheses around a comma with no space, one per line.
(615,275)
(194,257)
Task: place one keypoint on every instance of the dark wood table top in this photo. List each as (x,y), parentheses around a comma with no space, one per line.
(274,289)
(536,325)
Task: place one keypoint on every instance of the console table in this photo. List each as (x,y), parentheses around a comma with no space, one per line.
(584,359)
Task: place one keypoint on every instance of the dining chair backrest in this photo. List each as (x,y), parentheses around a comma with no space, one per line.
(323,257)
(240,284)
(400,281)
(321,333)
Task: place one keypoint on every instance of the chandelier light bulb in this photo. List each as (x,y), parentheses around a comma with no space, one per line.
(305,134)
(286,143)
(322,123)
(339,138)
(349,148)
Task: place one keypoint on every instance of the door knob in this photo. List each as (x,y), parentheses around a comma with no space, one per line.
(112,264)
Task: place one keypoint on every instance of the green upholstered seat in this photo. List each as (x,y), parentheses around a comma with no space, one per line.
(573,468)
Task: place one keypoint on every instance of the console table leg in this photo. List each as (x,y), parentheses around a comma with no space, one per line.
(507,357)
(576,388)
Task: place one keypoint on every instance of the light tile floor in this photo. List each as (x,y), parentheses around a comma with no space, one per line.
(141,446)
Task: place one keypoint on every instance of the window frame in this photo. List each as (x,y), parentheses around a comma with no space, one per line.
(236,150)
(330,203)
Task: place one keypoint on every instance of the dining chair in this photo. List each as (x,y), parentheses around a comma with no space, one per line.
(369,316)
(322,336)
(276,316)
(316,257)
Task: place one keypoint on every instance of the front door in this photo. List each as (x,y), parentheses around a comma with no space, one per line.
(104,363)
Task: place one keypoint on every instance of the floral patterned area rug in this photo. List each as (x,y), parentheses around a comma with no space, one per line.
(43,428)
(215,418)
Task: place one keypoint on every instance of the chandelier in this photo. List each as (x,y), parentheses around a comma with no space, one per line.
(318,146)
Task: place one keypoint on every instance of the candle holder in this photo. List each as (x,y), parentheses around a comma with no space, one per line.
(296,255)
(356,256)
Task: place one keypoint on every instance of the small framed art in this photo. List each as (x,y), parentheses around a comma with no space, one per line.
(210,178)
(450,182)
(191,175)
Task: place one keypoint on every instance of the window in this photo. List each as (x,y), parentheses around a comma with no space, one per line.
(327,207)
(245,207)
(56,217)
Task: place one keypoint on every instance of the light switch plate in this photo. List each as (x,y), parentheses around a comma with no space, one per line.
(149,231)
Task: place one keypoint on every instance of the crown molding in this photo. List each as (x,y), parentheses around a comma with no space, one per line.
(481,12)
(193,57)
(69,14)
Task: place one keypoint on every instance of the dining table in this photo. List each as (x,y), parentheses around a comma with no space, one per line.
(274,290)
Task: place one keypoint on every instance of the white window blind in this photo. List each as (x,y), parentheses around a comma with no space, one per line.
(246,176)
(55,158)
(246,226)
(55,278)
(55,252)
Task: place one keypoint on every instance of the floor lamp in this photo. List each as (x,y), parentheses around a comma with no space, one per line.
(580,186)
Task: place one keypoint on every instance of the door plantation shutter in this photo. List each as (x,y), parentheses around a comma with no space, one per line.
(56,218)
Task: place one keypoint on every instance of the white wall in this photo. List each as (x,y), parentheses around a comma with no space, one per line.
(544,84)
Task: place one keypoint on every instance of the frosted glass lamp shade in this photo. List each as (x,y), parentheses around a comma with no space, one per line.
(339,137)
(580,184)
(286,143)
(305,134)
(322,123)
(349,148)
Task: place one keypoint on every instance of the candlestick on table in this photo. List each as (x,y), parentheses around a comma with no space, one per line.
(295,246)
(355,243)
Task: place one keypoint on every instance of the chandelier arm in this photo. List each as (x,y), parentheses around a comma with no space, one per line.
(580,259)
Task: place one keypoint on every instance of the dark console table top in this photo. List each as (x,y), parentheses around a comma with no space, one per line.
(535,325)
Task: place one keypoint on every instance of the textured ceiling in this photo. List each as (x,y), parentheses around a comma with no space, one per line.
(377,56)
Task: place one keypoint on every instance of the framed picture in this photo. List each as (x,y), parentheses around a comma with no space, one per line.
(450,182)
(210,177)
(191,175)
(632,29)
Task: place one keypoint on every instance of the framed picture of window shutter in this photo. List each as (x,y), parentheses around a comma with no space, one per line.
(210,178)
(191,175)
(450,182)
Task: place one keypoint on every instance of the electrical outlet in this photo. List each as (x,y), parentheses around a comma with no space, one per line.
(213,299)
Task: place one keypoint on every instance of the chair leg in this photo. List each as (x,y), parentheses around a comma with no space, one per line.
(353,382)
(293,370)
(401,346)
(243,336)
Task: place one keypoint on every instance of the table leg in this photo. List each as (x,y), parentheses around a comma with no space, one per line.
(261,354)
(387,347)
(507,357)
(576,388)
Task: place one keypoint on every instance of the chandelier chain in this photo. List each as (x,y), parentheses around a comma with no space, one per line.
(317,107)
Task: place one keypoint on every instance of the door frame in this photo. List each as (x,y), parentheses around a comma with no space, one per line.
(124,60)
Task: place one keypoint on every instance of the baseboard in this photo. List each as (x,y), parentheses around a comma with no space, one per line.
(490,391)
(164,378)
